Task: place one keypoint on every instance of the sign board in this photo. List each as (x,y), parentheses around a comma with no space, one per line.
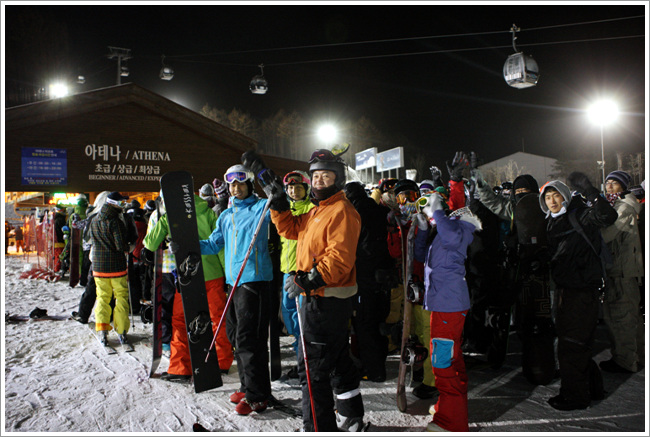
(390,159)
(365,159)
(25,210)
(43,166)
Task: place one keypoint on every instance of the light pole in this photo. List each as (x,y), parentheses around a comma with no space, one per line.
(603,113)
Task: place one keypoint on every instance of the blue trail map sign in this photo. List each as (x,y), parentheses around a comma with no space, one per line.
(43,166)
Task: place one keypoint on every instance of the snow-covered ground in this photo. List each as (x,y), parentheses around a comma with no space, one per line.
(57,379)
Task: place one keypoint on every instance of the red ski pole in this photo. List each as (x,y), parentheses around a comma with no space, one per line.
(241,270)
(304,355)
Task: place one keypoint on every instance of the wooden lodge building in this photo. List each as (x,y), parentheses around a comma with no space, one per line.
(122,138)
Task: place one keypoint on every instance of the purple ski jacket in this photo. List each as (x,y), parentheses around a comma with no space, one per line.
(444,266)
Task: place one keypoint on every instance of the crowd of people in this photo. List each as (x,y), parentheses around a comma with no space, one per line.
(468,257)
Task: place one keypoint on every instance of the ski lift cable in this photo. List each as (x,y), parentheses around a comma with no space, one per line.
(432,52)
(402,39)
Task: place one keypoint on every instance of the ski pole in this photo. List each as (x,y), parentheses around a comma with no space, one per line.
(128,284)
(241,270)
(304,355)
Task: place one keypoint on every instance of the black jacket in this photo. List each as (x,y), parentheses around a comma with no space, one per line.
(574,263)
(372,249)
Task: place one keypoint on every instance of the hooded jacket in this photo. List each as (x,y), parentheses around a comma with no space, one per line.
(109,243)
(327,235)
(623,239)
(233,232)
(574,264)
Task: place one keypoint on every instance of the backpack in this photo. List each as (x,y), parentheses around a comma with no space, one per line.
(605,256)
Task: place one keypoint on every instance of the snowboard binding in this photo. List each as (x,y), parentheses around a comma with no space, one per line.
(188,268)
(415,292)
(199,326)
(414,354)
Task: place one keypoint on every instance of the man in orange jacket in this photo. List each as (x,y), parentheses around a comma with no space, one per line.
(327,238)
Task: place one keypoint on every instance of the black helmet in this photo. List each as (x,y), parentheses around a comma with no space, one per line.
(323,159)
(406,185)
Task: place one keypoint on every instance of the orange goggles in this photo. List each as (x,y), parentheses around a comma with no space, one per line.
(407,196)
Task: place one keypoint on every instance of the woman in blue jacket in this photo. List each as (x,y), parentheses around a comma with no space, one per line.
(247,320)
(447,297)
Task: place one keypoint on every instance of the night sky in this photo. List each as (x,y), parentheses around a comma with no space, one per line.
(455,99)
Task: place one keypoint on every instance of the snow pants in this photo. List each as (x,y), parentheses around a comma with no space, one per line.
(290,315)
(575,321)
(179,359)
(373,346)
(449,370)
(622,316)
(247,325)
(108,288)
(168,295)
(325,330)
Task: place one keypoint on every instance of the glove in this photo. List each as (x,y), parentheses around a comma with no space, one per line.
(147,256)
(303,282)
(173,246)
(436,176)
(477,177)
(275,192)
(420,220)
(253,161)
(458,164)
(579,182)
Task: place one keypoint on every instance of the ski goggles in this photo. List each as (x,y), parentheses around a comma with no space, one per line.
(387,184)
(118,203)
(322,155)
(294,178)
(408,196)
(239,176)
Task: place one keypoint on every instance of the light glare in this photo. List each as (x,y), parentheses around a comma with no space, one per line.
(327,133)
(58,90)
(603,113)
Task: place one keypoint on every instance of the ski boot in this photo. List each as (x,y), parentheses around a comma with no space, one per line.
(350,424)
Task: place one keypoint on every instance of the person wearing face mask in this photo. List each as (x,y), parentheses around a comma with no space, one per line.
(443,252)
(247,318)
(327,238)
(527,255)
(110,246)
(407,193)
(621,305)
(578,276)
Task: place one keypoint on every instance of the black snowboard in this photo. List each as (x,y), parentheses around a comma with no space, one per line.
(178,194)
(157,310)
(75,240)
(533,311)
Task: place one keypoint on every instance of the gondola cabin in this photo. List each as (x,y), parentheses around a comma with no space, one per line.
(259,85)
(520,71)
(166,73)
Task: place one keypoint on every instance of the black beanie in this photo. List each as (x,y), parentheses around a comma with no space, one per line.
(525,181)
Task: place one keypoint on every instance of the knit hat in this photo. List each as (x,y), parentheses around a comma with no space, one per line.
(621,177)
(206,191)
(220,188)
(525,181)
